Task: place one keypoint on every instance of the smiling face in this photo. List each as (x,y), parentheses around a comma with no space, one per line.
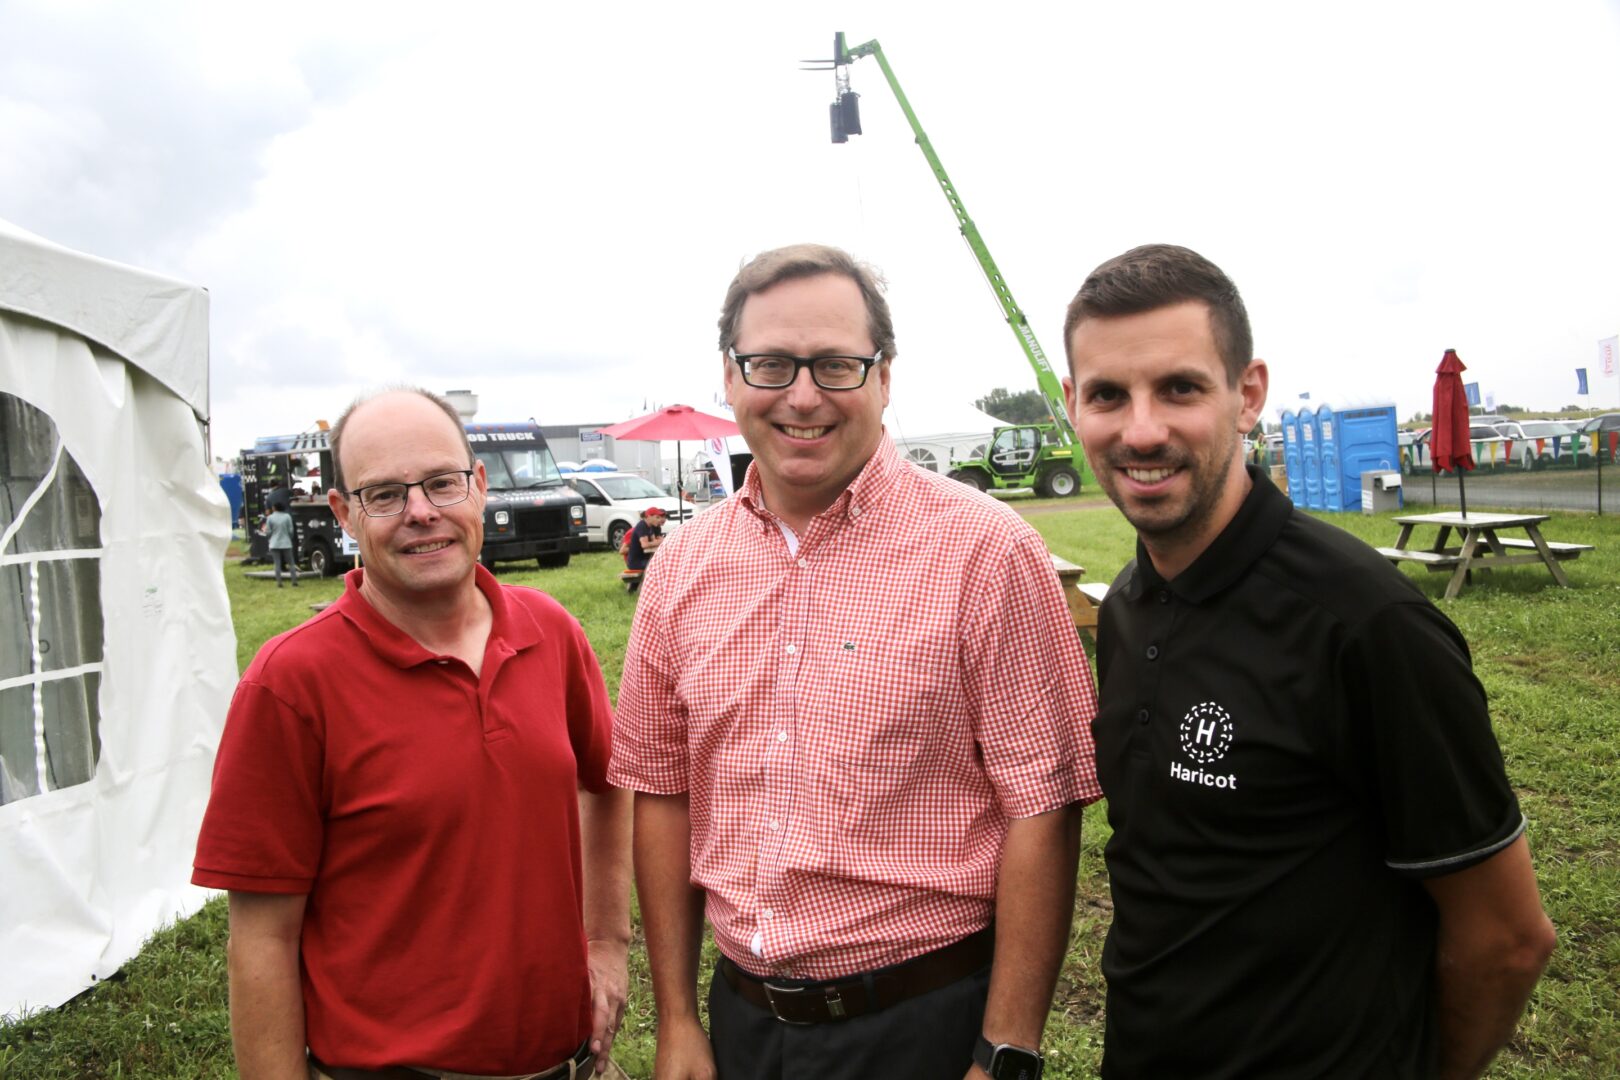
(426,552)
(808,443)
(1161,426)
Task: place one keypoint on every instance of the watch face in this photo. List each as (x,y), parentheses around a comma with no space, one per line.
(1011,1063)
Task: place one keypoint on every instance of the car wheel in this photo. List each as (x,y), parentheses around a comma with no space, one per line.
(616,533)
(322,559)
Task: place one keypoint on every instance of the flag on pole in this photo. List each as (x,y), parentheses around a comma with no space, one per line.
(1471,392)
(1580,380)
(1607,349)
(1305,396)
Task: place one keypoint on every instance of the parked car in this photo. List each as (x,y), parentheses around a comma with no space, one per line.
(1539,443)
(614,502)
(1604,426)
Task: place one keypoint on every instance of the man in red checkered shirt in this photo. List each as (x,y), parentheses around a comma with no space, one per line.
(857,719)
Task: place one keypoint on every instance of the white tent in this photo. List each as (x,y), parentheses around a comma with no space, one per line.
(117,657)
(931,434)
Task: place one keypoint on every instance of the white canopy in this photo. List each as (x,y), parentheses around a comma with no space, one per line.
(117,656)
(932,433)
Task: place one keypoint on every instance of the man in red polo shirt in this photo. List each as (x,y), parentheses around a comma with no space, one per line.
(428,871)
(855,713)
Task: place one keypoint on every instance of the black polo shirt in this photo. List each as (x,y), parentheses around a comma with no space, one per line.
(1290,737)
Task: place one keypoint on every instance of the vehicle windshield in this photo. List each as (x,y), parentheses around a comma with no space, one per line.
(520,468)
(1546,428)
(628,487)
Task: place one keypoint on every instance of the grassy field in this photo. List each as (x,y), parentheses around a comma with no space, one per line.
(1549,657)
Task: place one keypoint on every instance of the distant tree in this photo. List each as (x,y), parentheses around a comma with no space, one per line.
(1420,418)
(1024,407)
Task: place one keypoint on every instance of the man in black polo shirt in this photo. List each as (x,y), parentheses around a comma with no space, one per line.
(1318,865)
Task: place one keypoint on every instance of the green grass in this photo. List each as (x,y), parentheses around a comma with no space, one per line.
(1549,658)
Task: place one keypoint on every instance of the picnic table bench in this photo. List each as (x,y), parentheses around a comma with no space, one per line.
(1481,547)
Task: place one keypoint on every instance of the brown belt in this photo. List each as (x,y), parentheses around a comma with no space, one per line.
(844,999)
(582,1061)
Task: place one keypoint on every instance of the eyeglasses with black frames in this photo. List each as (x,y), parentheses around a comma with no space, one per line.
(387,500)
(775,371)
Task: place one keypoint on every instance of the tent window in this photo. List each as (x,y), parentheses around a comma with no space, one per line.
(50,609)
(924,457)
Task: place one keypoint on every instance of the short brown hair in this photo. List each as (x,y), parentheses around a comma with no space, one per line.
(334,439)
(1153,276)
(802,261)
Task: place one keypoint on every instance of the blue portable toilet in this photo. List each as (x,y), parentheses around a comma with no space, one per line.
(1327,449)
(1310,453)
(1293,457)
(1367,442)
(231,484)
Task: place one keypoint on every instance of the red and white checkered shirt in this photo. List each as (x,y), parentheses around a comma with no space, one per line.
(856,723)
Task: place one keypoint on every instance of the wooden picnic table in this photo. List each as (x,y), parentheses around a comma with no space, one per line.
(1481,547)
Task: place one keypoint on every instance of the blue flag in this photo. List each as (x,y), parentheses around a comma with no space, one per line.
(1580,378)
(1472,392)
(1305,396)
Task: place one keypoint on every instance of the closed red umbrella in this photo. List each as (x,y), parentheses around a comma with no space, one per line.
(1449,445)
(673,422)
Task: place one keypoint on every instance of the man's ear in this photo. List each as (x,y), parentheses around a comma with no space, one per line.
(1252,385)
(340,510)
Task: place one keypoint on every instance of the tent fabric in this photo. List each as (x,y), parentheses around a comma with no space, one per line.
(156,323)
(96,848)
(940,431)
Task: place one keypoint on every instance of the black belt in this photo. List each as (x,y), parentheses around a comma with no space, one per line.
(582,1061)
(844,999)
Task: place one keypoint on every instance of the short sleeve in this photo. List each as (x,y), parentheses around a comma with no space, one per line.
(649,728)
(1029,683)
(590,717)
(263,831)
(1440,781)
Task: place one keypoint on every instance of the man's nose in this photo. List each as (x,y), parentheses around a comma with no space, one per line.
(1145,428)
(802,393)
(418,507)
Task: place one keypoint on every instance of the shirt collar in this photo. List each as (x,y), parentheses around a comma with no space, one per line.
(1246,538)
(863,493)
(510,623)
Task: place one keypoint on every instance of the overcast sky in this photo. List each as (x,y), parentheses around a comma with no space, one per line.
(544,203)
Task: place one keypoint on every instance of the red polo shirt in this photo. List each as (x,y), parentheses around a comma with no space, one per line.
(432,818)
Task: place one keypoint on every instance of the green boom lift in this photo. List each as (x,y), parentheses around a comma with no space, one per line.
(1043,456)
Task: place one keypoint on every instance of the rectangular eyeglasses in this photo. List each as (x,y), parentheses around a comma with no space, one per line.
(775,371)
(386,500)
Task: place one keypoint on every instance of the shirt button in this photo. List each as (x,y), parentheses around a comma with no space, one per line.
(804,564)
(1164,596)
(765,914)
(1152,652)
(1141,716)
(781,736)
(791,649)
(854,511)
(775,825)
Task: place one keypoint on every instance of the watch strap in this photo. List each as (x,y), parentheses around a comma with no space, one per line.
(991,1058)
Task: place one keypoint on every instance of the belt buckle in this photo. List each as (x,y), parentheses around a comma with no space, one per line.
(835,1002)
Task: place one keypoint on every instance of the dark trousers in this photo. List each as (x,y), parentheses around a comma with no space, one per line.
(283,557)
(928,1037)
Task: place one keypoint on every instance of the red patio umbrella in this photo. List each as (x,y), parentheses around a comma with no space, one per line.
(1449,445)
(673,422)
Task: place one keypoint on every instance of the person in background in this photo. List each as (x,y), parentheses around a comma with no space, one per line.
(855,714)
(279,528)
(642,542)
(1318,864)
(428,871)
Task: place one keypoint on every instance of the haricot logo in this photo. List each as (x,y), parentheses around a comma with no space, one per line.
(1206,736)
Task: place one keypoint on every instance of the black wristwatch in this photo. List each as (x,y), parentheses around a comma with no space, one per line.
(1004,1061)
